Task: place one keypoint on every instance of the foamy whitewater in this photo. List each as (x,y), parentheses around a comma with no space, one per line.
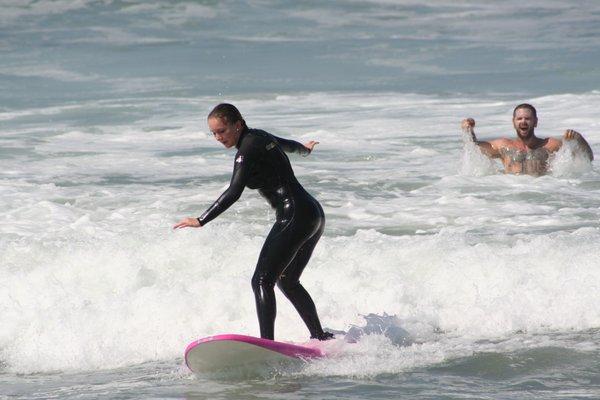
(104,146)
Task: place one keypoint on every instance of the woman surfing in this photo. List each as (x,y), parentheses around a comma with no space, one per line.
(261,163)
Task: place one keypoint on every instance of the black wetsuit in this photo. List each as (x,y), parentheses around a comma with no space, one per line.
(261,163)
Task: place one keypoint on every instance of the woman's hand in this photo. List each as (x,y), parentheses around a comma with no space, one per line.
(187,223)
(310,145)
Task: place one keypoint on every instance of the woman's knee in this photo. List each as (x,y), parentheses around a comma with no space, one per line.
(287,284)
(261,281)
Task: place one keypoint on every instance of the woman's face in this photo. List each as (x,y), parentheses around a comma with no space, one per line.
(227,134)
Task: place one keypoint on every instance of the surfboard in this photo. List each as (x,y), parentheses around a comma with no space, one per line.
(221,352)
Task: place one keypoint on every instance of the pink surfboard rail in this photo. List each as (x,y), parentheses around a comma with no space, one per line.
(287,349)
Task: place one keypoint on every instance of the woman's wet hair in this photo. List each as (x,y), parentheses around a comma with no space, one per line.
(526,106)
(227,112)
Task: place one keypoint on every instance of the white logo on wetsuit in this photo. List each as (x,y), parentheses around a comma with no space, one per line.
(270,146)
(240,159)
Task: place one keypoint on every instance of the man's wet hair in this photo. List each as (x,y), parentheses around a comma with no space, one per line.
(527,106)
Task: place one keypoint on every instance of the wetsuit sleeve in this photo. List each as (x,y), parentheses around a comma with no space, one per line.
(291,146)
(234,191)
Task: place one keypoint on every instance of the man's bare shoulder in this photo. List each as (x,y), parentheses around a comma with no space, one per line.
(502,143)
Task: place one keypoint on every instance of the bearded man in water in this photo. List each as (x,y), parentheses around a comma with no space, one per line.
(527,154)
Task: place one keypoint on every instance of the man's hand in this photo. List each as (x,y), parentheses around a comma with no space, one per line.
(310,145)
(570,134)
(468,124)
(187,223)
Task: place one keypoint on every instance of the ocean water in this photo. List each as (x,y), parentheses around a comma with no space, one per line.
(104,146)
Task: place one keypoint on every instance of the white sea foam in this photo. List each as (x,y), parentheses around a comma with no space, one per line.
(93,277)
(119,37)
(48,71)
(14,9)
(86,303)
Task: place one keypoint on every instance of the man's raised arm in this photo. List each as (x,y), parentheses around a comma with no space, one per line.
(490,149)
